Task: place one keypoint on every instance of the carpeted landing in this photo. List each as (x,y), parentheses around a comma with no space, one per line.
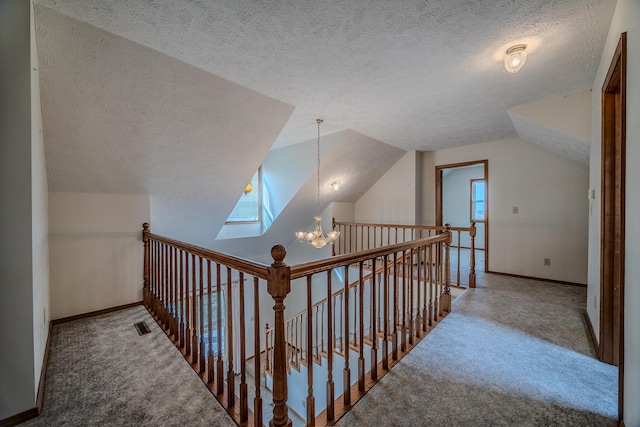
(513,352)
(102,373)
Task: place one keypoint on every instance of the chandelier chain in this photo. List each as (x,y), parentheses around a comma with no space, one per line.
(318,198)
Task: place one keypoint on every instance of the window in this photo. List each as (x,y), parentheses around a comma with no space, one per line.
(248,208)
(477,200)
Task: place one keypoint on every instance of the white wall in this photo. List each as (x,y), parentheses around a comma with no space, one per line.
(550,193)
(343,211)
(392,199)
(626,18)
(96,252)
(426,186)
(40,218)
(17,354)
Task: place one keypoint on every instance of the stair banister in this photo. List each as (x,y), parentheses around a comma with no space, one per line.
(278,286)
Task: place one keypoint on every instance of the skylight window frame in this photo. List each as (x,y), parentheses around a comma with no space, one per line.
(258,188)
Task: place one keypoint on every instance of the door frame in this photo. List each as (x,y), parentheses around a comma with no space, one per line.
(612,215)
(439,170)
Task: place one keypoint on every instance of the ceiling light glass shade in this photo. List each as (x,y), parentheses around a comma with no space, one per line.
(316,238)
(516,57)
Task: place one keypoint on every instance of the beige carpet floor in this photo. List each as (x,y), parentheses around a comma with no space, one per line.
(513,352)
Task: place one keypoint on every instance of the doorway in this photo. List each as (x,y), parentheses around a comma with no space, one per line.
(612,215)
(462,195)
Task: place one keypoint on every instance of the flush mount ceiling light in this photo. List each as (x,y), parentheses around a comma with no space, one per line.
(316,238)
(335,185)
(516,57)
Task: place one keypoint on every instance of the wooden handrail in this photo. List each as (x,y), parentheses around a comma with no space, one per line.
(244,265)
(313,267)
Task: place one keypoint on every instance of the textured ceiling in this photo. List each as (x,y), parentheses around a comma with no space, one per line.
(414,74)
(183,100)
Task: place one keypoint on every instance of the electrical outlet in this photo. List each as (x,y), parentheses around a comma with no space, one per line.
(514,210)
(547,261)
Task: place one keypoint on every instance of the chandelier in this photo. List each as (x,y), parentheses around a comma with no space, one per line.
(316,238)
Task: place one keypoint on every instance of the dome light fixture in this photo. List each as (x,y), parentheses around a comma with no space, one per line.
(516,57)
(335,185)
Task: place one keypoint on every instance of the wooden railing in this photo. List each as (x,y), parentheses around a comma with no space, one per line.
(356,236)
(209,304)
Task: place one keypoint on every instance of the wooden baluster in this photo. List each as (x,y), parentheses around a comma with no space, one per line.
(165,287)
(459,250)
(368,231)
(385,307)
(403,321)
(361,369)
(334,301)
(146,270)
(257,400)
(346,396)
(156,279)
(311,411)
(394,344)
(427,277)
(183,297)
(379,300)
(315,320)
(289,339)
(438,276)
(187,306)
(330,343)
(211,374)
(322,322)
(431,285)
(410,301)
(219,360)
(342,328)
(278,286)
(374,328)
(231,385)
(472,256)
(446,297)
(194,311)
(176,295)
(267,349)
(202,362)
(244,399)
(156,291)
(418,319)
(152,275)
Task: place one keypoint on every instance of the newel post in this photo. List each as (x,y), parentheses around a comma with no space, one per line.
(278,286)
(446,294)
(145,240)
(472,259)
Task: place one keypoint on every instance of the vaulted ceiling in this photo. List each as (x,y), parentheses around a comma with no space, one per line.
(132,91)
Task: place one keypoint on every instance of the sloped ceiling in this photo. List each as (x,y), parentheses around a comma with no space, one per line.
(419,74)
(559,123)
(183,100)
